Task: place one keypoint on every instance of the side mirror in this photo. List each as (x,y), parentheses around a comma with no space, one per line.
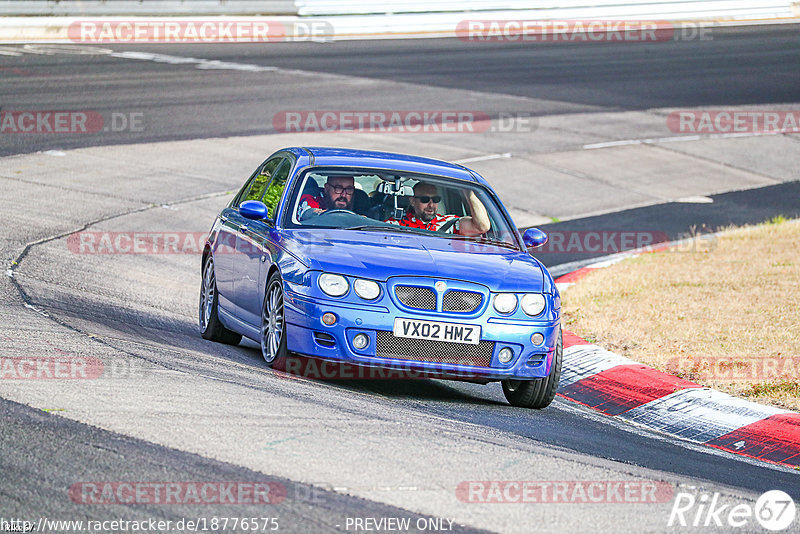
(533,237)
(254,210)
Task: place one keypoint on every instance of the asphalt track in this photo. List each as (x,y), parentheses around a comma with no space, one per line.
(64,445)
(737,67)
(179,104)
(670,221)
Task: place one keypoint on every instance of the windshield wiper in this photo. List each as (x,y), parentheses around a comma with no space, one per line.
(388,228)
(485,241)
(397,228)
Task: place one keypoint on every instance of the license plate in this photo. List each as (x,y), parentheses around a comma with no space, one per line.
(450,332)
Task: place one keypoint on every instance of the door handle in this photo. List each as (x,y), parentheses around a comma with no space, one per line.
(243,228)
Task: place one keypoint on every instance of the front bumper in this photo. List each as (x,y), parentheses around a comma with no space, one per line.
(308,335)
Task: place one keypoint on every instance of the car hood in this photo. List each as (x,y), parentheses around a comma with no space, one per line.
(379,255)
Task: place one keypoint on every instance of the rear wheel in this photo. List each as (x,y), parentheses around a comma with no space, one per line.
(210,326)
(538,393)
(273,324)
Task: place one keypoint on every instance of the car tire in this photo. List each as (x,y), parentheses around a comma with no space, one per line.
(273,324)
(537,393)
(210,326)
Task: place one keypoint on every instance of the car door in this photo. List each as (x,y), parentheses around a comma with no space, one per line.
(225,249)
(253,246)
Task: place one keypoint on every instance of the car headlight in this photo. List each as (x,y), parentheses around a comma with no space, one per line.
(533,304)
(334,285)
(505,303)
(367,289)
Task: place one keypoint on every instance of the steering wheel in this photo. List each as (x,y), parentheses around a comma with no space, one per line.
(446,226)
(339,210)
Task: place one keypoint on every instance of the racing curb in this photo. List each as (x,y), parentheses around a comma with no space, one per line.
(622,388)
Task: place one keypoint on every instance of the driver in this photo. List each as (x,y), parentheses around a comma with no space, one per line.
(337,194)
(422,213)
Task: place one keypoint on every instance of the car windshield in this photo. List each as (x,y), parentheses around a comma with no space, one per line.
(390,201)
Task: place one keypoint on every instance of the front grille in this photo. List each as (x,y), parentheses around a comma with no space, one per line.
(426,350)
(461,301)
(421,298)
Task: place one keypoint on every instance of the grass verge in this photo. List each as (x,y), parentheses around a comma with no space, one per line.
(725,316)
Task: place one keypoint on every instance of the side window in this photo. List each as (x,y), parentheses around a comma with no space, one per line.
(235,201)
(275,190)
(258,184)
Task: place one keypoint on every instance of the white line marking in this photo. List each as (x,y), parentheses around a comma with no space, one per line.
(483,158)
(37,310)
(682,138)
(562,286)
(70,50)
(33,49)
(628,142)
(203,64)
(696,200)
(602,264)
(9,51)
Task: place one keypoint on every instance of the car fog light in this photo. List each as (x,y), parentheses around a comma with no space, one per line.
(537,339)
(328,318)
(361,341)
(505,355)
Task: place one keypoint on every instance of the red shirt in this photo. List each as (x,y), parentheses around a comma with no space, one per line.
(310,202)
(412,221)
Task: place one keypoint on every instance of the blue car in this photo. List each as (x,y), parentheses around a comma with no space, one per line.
(384,261)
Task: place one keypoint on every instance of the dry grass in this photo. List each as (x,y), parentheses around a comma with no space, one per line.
(725,316)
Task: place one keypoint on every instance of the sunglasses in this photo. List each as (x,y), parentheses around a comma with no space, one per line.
(424,200)
(338,189)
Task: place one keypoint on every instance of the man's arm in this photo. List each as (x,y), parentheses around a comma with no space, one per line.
(479,222)
(308,202)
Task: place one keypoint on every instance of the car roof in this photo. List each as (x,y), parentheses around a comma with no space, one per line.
(329,156)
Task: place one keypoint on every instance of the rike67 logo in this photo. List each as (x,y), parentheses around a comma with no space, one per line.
(774,510)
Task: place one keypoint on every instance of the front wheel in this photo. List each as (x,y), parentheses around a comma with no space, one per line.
(210,326)
(273,324)
(538,393)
